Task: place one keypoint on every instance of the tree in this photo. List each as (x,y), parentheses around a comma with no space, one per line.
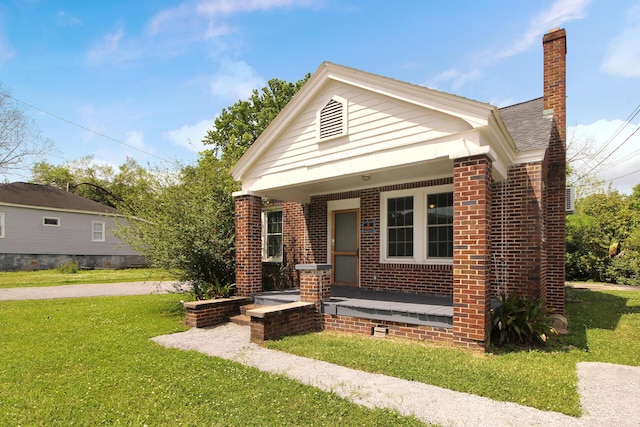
(603,238)
(96,182)
(240,125)
(187,226)
(20,140)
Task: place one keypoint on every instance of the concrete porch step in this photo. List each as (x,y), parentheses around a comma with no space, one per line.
(247,307)
(241,319)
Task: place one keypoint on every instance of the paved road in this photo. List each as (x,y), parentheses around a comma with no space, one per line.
(92,290)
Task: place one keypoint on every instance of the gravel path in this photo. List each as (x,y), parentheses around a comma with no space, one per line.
(94,290)
(609,392)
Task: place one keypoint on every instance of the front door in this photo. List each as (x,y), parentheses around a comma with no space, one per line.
(345,247)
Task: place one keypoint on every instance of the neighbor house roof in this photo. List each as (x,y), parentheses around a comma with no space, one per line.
(22,193)
(528,126)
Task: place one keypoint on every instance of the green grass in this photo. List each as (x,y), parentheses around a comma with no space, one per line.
(604,327)
(89,362)
(20,279)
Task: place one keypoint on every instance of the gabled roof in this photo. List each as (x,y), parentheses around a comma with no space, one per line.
(22,193)
(528,126)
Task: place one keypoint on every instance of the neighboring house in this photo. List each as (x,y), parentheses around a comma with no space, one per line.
(396,187)
(43,227)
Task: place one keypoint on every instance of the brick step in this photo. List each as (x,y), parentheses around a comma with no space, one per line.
(245,308)
(241,319)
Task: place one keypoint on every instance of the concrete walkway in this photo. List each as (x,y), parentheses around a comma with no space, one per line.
(95,290)
(609,393)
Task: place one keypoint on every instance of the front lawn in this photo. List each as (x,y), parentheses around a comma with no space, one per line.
(89,362)
(22,279)
(604,327)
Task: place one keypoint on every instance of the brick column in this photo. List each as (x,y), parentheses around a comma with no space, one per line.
(248,245)
(315,286)
(471,251)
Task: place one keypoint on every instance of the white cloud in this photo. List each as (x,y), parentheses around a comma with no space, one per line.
(135,139)
(623,55)
(201,19)
(6,51)
(63,19)
(616,148)
(235,80)
(108,46)
(454,78)
(561,11)
(191,136)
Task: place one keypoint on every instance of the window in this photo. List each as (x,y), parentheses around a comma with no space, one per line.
(97,231)
(1,226)
(272,236)
(332,119)
(51,221)
(400,227)
(417,225)
(440,225)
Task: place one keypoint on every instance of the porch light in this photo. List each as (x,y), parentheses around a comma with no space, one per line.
(366,177)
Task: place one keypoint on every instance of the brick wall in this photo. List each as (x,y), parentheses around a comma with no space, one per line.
(518,232)
(201,314)
(280,323)
(401,330)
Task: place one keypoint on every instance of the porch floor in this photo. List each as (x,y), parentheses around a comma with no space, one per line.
(414,309)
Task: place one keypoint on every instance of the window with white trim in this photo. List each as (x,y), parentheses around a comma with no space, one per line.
(417,226)
(332,119)
(1,225)
(97,231)
(272,236)
(51,221)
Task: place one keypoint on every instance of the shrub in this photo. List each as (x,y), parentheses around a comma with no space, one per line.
(70,268)
(521,321)
(206,290)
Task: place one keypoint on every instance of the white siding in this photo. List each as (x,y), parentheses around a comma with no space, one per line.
(26,234)
(375,123)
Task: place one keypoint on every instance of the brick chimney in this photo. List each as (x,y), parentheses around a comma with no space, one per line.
(555,93)
(555,69)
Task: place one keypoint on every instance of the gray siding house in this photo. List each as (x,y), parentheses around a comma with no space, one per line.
(43,227)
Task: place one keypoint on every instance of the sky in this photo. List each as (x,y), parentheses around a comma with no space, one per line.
(146,78)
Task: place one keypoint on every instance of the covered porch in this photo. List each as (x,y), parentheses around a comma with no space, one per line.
(381,306)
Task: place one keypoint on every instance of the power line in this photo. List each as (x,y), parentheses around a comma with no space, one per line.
(89,130)
(633,114)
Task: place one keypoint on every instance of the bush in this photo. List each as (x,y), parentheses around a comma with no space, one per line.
(70,268)
(521,321)
(206,290)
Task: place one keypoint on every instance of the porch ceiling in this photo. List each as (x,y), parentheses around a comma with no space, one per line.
(345,181)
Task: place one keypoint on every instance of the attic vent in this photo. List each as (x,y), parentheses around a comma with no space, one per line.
(331,120)
(570,201)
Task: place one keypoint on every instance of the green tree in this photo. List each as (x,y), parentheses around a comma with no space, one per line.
(187,226)
(100,183)
(601,237)
(240,125)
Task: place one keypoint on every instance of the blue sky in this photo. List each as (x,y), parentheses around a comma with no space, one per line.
(154,74)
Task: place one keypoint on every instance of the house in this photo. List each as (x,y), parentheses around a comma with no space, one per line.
(43,227)
(366,183)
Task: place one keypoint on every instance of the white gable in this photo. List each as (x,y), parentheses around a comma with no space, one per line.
(393,131)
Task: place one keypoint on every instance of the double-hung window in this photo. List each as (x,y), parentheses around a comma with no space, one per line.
(97,231)
(417,226)
(272,236)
